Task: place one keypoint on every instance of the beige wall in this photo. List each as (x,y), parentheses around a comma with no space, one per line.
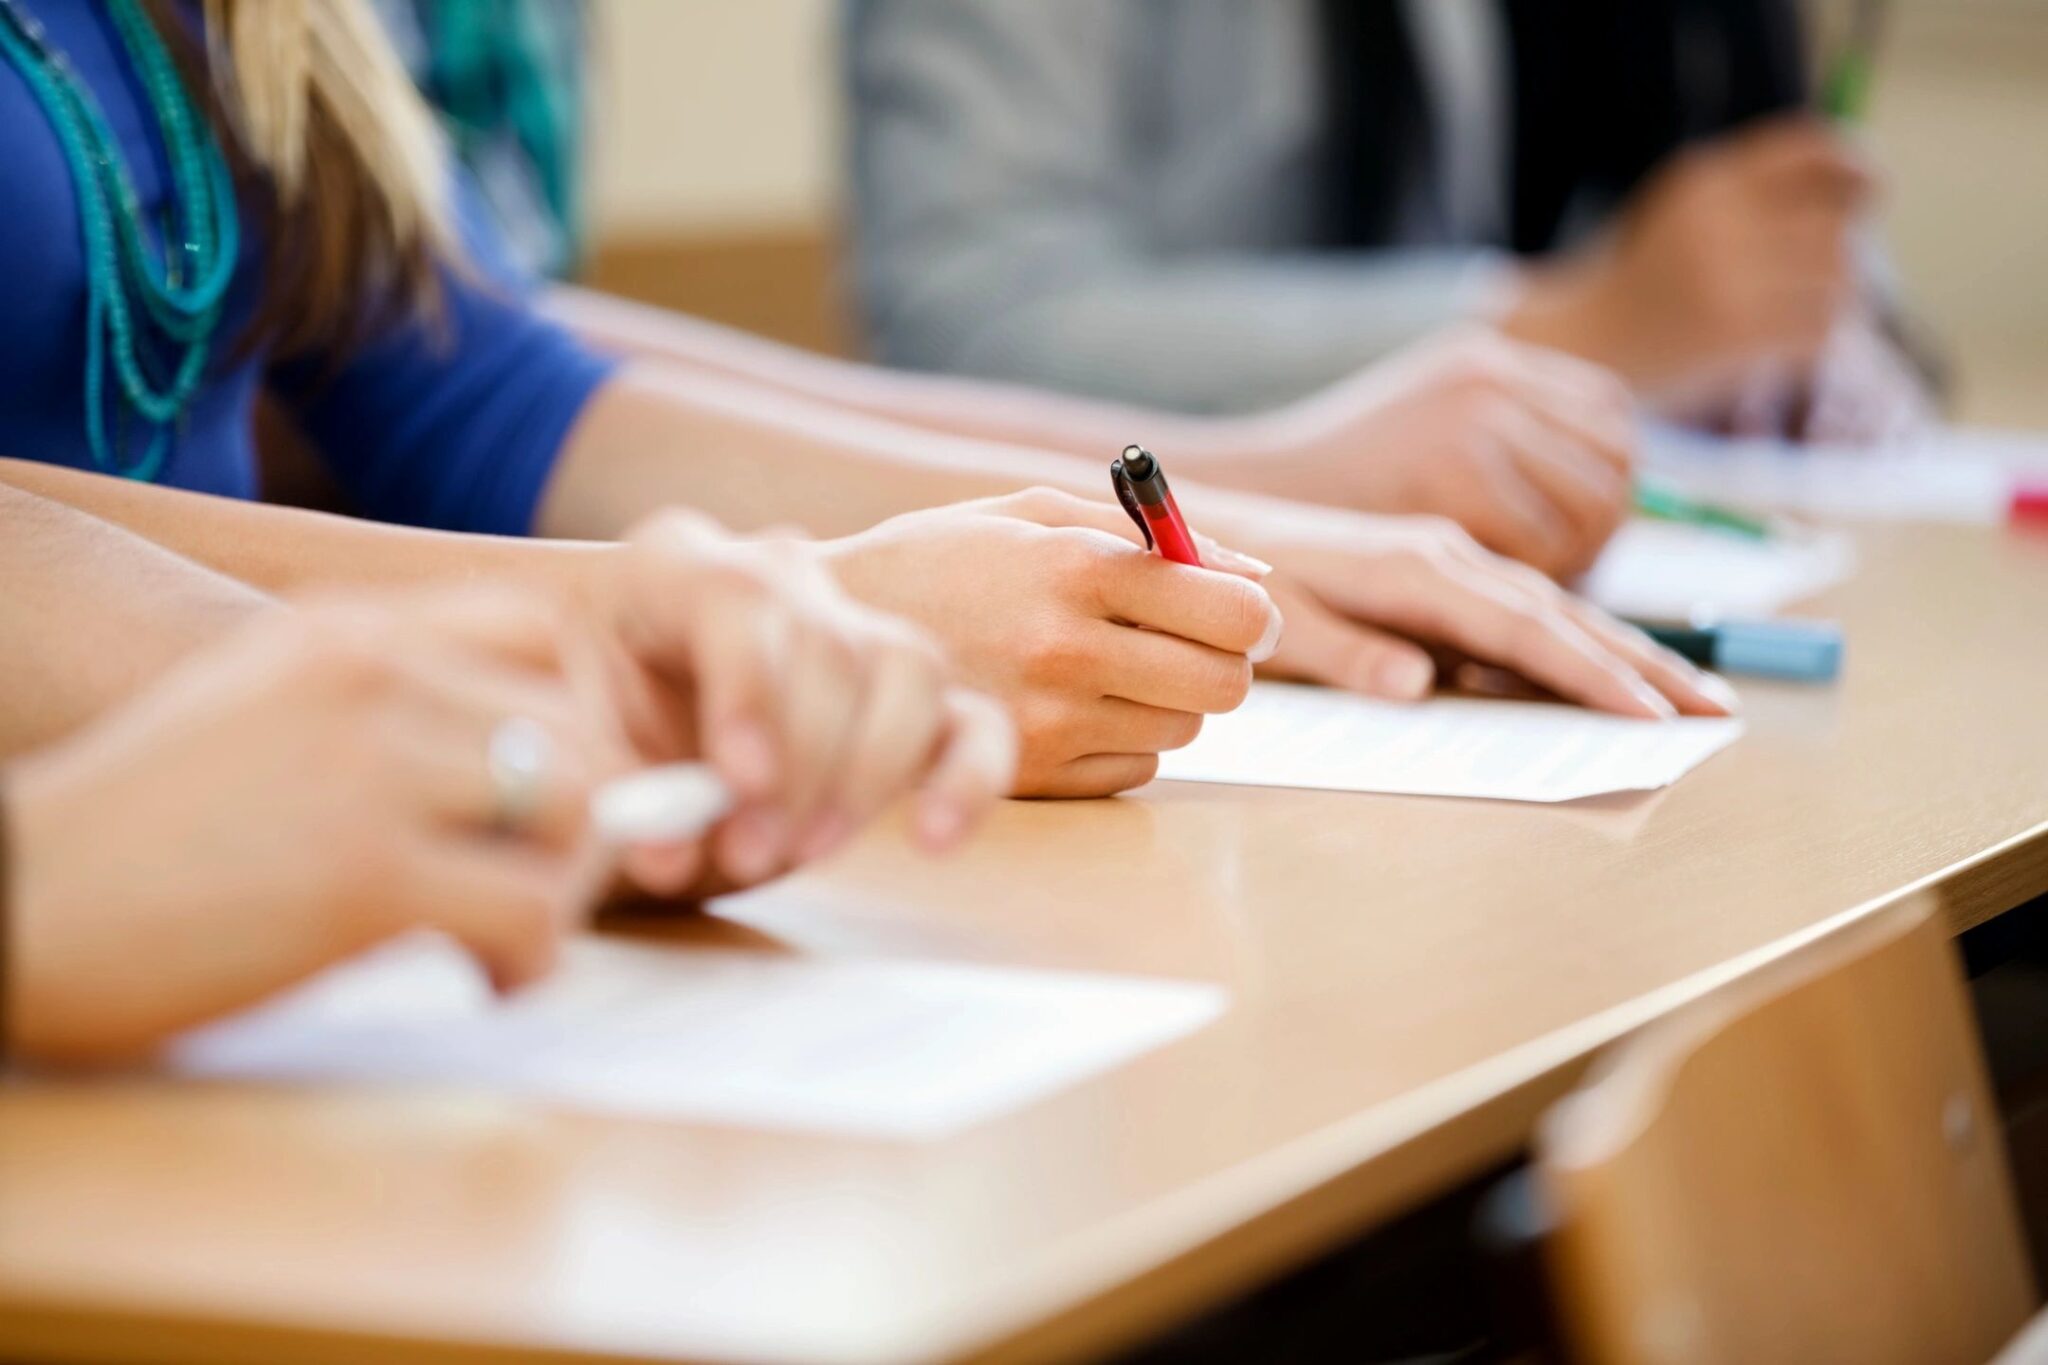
(1960,126)
(723,115)
(718,114)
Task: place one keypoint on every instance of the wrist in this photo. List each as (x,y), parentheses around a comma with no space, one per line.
(1569,306)
(34,900)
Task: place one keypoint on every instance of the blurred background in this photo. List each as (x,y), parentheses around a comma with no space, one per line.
(735,215)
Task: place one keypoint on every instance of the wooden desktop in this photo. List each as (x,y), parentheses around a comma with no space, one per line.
(1412,982)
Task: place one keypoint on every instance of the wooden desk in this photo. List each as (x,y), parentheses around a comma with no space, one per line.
(1414,979)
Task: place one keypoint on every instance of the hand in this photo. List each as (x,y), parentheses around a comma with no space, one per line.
(310,787)
(1529,449)
(1373,603)
(1105,655)
(1864,391)
(817,711)
(1736,252)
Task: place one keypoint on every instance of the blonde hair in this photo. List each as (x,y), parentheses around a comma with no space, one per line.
(276,61)
(314,104)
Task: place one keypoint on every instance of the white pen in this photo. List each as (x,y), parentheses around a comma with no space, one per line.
(660,805)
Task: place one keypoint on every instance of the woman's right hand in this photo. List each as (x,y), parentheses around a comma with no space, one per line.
(318,783)
(1105,655)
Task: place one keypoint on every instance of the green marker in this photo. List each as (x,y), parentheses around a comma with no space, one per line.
(1845,90)
(1660,503)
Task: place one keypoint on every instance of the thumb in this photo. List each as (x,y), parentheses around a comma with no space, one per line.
(1323,647)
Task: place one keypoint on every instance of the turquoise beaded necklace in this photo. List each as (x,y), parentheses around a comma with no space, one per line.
(153,310)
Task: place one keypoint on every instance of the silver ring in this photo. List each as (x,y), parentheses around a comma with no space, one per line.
(520,757)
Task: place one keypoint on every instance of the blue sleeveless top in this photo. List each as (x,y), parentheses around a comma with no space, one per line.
(454,425)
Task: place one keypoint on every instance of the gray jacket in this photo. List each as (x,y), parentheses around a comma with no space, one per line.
(1119,198)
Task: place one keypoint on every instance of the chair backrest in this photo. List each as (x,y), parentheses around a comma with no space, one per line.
(1805,1167)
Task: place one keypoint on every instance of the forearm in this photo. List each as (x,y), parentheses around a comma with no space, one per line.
(92,614)
(978,409)
(754,457)
(283,549)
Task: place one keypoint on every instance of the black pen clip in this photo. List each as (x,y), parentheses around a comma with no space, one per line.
(1121,482)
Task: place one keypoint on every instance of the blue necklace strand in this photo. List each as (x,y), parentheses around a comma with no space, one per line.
(153,309)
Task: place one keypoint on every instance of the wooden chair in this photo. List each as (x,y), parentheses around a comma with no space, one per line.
(1804,1168)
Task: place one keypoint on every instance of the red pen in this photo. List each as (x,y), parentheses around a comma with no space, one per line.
(1141,487)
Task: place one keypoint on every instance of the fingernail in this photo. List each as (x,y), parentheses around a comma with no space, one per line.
(1269,643)
(940,822)
(1659,704)
(1405,677)
(1717,690)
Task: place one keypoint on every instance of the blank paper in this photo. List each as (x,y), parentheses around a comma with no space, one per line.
(869,1047)
(1292,736)
(1664,571)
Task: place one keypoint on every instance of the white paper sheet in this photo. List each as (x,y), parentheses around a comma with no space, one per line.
(870,1047)
(1670,572)
(1293,736)
(1962,475)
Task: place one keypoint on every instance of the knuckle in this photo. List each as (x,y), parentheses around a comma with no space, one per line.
(1078,564)
(1041,729)
(1040,502)
(1054,653)
(344,649)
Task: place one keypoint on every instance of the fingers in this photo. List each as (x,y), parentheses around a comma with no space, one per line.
(1098,775)
(976,766)
(665,869)
(1155,669)
(817,710)
(1508,514)
(1693,692)
(1446,590)
(1220,610)
(507,905)
(738,658)
(1112,725)
(1533,632)
(1324,647)
(1588,403)
(823,697)
(446,715)
(892,743)
(1802,159)
(1587,493)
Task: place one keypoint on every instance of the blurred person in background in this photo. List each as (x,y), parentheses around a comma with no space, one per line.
(1216,207)
(1529,455)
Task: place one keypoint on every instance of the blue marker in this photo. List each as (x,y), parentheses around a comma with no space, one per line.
(1801,651)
